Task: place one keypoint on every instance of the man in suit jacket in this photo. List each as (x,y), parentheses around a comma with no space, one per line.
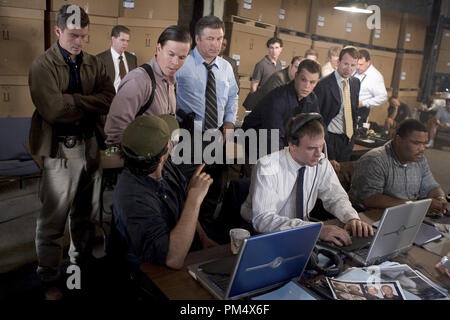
(329,91)
(120,36)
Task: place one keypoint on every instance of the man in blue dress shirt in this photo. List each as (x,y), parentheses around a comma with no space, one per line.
(208,94)
(192,77)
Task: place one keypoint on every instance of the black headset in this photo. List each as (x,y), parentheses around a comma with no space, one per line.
(298,122)
(331,269)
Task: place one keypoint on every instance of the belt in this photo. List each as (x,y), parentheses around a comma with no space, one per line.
(71,140)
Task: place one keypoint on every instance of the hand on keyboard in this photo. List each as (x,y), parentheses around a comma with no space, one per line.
(359,228)
(336,235)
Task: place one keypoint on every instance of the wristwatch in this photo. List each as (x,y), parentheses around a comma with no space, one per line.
(445,261)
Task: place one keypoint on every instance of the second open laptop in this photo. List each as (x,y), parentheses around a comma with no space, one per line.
(396,232)
(264,262)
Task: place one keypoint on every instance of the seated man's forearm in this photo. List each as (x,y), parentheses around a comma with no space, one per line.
(381,201)
(182,235)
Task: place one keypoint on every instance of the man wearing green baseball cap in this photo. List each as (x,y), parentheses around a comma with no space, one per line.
(155,209)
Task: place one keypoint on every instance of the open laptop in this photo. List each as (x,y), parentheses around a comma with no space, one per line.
(264,262)
(396,232)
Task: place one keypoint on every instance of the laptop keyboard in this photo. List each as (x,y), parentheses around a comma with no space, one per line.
(358,243)
(220,280)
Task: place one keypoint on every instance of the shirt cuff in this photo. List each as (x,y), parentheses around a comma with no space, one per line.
(229,117)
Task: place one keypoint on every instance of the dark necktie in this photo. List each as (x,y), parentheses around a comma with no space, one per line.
(210,100)
(299,194)
(122,70)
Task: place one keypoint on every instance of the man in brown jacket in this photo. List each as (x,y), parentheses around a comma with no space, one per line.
(70,90)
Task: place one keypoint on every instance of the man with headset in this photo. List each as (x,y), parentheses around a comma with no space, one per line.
(286,184)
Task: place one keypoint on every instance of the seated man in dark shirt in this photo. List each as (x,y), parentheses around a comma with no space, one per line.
(397,112)
(282,103)
(155,210)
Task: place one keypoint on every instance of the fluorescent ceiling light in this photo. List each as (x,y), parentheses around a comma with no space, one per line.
(352,6)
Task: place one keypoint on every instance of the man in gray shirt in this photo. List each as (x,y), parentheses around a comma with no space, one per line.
(398,172)
(267,65)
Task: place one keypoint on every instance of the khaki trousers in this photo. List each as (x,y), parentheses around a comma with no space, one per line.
(70,188)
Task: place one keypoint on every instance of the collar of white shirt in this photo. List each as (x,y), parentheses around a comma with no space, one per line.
(115,57)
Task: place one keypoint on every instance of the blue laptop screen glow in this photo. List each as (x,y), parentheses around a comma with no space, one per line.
(273,258)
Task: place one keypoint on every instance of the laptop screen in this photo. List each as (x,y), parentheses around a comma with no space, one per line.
(398,228)
(273,258)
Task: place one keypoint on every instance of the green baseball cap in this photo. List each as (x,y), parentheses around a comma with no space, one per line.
(147,135)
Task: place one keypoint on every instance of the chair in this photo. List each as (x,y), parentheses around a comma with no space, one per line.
(442,138)
(15,161)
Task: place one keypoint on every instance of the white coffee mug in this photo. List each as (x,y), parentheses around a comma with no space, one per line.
(237,237)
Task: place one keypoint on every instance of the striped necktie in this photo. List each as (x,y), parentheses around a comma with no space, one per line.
(299,192)
(347,109)
(122,70)
(210,99)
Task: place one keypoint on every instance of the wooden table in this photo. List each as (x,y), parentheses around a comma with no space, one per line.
(179,285)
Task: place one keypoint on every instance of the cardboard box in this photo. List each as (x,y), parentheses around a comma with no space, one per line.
(410,98)
(322,48)
(379,114)
(443,63)
(410,71)
(99,35)
(144,9)
(15,98)
(293,46)
(388,35)
(245,84)
(294,15)
(259,10)
(144,36)
(22,39)
(106,8)
(384,61)
(328,22)
(414,34)
(247,44)
(26,4)
(445,40)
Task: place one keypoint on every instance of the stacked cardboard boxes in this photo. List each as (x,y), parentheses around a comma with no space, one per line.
(293,46)
(244,90)
(294,15)
(328,22)
(379,114)
(384,61)
(388,35)
(443,63)
(414,33)
(247,42)
(146,20)
(411,66)
(258,10)
(22,41)
(105,8)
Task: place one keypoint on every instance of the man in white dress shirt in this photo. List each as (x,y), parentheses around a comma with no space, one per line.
(373,90)
(274,201)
